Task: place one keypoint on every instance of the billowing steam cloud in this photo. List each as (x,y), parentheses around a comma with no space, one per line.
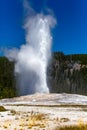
(32,59)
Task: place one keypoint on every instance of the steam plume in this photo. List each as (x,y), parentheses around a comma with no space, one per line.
(32,58)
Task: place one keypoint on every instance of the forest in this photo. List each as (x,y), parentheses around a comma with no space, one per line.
(65,74)
(68,73)
(7,78)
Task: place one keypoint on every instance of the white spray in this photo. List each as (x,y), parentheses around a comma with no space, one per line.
(32,58)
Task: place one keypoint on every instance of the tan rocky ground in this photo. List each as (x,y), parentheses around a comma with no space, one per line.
(43,111)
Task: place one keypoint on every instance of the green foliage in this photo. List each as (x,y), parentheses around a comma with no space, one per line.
(7,79)
(59,56)
(78,57)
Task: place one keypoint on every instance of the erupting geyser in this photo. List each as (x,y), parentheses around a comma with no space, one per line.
(32,58)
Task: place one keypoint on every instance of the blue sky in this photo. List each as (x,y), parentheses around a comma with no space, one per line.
(69,35)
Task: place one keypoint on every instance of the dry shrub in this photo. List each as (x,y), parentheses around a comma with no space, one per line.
(64,119)
(78,127)
(2,109)
(38,116)
(13,112)
(33,120)
(36,119)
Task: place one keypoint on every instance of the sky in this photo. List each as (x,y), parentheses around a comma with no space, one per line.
(69,35)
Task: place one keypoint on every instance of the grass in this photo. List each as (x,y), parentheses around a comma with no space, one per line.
(36,119)
(84,109)
(2,109)
(37,116)
(13,112)
(77,127)
(80,126)
(33,120)
(64,119)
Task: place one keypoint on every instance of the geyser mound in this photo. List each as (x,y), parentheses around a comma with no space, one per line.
(32,58)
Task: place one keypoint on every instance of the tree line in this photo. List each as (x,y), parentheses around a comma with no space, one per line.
(68,73)
(7,78)
(65,73)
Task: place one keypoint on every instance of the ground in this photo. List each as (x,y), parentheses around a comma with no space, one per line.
(43,111)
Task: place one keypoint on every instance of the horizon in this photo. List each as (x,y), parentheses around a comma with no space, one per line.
(2,55)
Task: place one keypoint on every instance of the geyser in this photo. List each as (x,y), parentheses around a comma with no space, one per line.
(32,58)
